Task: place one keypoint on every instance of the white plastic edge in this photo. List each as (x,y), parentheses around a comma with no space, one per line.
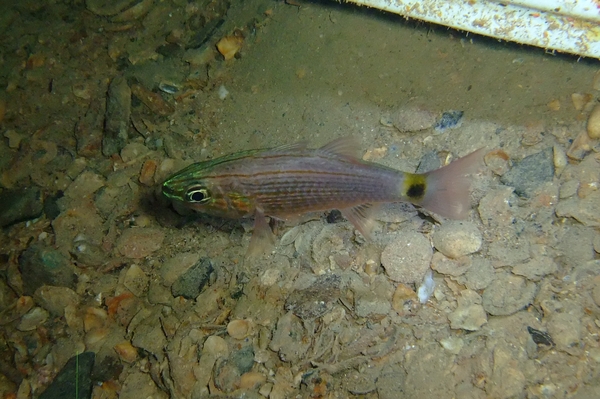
(512,22)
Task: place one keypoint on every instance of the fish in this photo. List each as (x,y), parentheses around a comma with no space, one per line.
(290,180)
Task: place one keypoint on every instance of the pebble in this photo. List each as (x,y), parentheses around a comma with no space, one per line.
(410,119)
(215,346)
(138,385)
(252,380)
(133,151)
(136,280)
(528,174)
(56,299)
(451,267)
(116,121)
(565,329)
(449,120)
(469,315)
(480,274)
(452,344)
(74,380)
(404,299)
(33,319)
(371,305)
(191,283)
(285,339)
(406,259)
(19,205)
(45,266)
(315,300)
(496,208)
(127,352)
(240,329)
(593,123)
(586,210)
(508,294)
(174,267)
(456,239)
(536,268)
(139,242)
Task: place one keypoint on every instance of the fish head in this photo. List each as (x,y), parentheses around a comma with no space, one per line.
(198,187)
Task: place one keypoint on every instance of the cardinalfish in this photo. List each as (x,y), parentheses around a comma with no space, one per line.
(291,180)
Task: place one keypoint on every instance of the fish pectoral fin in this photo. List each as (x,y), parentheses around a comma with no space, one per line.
(360,217)
(263,239)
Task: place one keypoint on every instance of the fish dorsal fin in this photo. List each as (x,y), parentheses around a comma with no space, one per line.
(347,147)
(299,146)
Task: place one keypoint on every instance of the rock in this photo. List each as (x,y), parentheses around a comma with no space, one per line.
(136,280)
(410,119)
(215,346)
(133,151)
(452,344)
(508,294)
(240,329)
(576,243)
(450,267)
(496,208)
(45,266)
(404,299)
(586,210)
(74,380)
(228,372)
(174,267)
(526,175)
(140,385)
(480,274)
(565,329)
(406,259)
(84,185)
(536,268)
(190,284)
(361,383)
(371,305)
(507,381)
(317,299)
(118,111)
(287,339)
(19,205)
(449,120)
(455,238)
(33,319)
(469,315)
(391,381)
(139,242)
(56,299)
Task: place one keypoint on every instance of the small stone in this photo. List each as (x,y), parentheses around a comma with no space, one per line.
(596,290)
(565,329)
(287,339)
(526,175)
(404,299)
(411,119)
(406,259)
(174,267)
(469,315)
(455,239)
(449,120)
(240,329)
(480,274)
(450,267)
(18,205)
(586,210)
(317,299)
(536,269)
(360,383)
(56,299)
(191,283)
(371,305)
(508,294)
(252,380)
(33,319)
(136,280)
(138,385)
(147,172)
(568,189)
(133,151)
(215,346)
(452,344)
(117,117)
(127,352)
(45,266)
(137,243)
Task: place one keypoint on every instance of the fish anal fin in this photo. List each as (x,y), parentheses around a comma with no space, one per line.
(360,217)
(263,239)
(348,147)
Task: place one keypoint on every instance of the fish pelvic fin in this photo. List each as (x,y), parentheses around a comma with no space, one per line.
(360,217)
(445,191)
(263,239)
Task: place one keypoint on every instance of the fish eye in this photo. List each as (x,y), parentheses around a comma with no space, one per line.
(197,194)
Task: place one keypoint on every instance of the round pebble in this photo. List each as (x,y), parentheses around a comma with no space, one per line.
(508,294)
(240,329)
(139,242)
(593,124)
(407,258)
(215,346)
(56,299)
(455,239)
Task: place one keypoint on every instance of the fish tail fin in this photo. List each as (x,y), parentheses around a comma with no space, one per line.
(447,190)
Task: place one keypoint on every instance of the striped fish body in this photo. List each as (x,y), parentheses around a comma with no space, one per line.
(292,180)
